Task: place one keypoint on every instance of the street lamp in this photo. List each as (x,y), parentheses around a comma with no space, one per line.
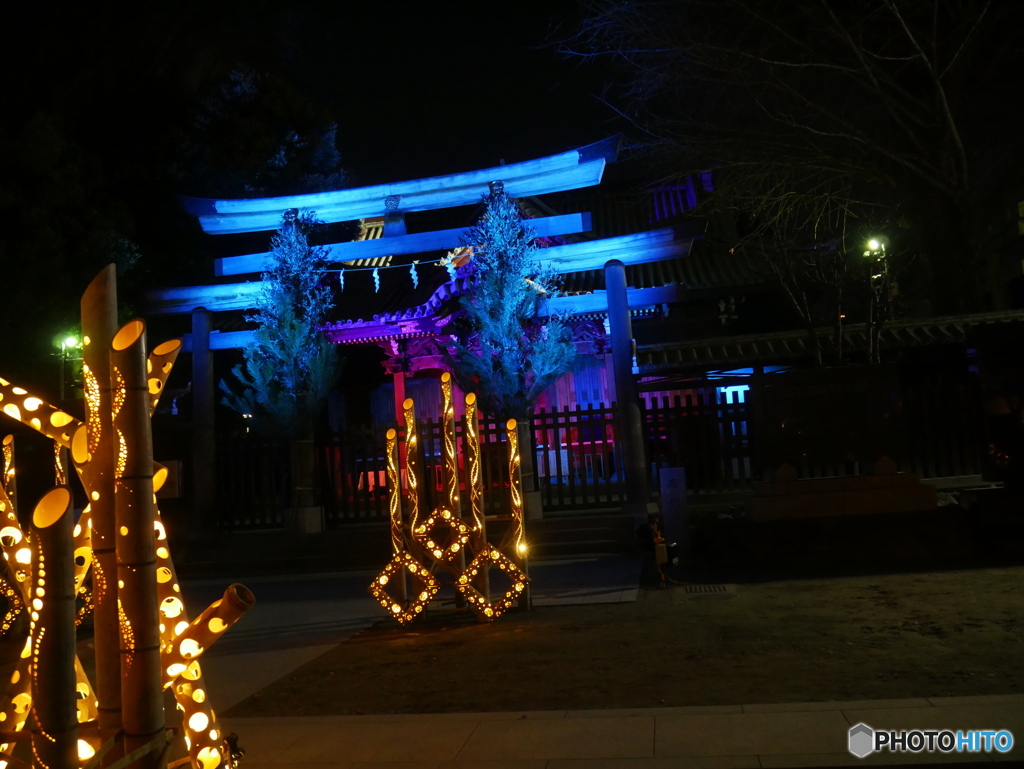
(68,345)
(878,295)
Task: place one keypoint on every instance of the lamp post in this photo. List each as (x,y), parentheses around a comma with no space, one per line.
(70,350)
(68,345)
(878,295)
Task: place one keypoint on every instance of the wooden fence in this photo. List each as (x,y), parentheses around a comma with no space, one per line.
(577,458)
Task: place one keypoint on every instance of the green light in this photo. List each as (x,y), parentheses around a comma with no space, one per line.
(69,341)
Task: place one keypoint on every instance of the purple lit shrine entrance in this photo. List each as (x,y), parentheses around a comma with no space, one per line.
(393,285)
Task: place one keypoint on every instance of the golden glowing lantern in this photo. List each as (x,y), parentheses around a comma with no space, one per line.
(110,447)
(443,538)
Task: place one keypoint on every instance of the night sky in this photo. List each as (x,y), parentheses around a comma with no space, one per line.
(439,88)
(103,111)
(415,88)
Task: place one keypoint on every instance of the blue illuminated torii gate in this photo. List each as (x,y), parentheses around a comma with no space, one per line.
(556,173)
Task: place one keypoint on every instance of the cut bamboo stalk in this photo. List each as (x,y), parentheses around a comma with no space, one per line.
(54,720)
(99,324)
(412,462)
(517,530)
(141,683)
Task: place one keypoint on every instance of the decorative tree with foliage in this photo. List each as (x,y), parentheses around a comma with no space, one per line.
(507,347)
(289,364)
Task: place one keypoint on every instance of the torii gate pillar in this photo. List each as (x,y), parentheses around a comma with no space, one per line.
(203,428)
(631,429)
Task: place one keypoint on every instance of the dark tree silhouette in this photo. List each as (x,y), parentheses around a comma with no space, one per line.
(824,120)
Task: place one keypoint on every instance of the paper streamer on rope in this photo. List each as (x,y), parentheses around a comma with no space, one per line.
(341,279)
(376,280)
(415,277)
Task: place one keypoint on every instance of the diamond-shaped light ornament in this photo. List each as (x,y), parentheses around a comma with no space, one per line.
(417,602)
(442,518)
(490,610)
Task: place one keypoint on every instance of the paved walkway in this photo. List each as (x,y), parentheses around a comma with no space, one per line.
(296,619)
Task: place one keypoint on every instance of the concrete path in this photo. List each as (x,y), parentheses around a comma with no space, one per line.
(741,736)
(298,618)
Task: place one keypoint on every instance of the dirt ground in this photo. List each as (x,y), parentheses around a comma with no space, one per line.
(896,635)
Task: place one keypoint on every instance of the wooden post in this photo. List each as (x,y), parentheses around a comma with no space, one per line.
(54,719)
(141,683)
(99,323)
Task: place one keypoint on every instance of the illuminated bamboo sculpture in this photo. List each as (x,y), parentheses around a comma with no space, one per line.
(99,324)
(442,537)
(54,719)
(516,536)
(475,486)
(193,640)
(142,714)
(451,459)
(395,510)
(147,618)
(474,480)
(412,461)
(8,481)
(13,589)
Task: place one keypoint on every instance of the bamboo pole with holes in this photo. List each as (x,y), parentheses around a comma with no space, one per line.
(517,530)
(9,480)
(451,464)
(412,463)
(141,682)
(99,324)
(398,535)
(54,720)
(475,487)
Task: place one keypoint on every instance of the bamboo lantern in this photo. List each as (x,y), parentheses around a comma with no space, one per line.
(138,570)
(517,532)
(14,584)
(158,369)
(60,465)
(99,324)
(141,682)
(17,701)
(192,641)
(54,716)
(457,534)
(398,538)
(203,736)
(8,481)
(394,493)
(412,461)
(18,403)
(474,480)
(486,608)
(408,610)
(451,460)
